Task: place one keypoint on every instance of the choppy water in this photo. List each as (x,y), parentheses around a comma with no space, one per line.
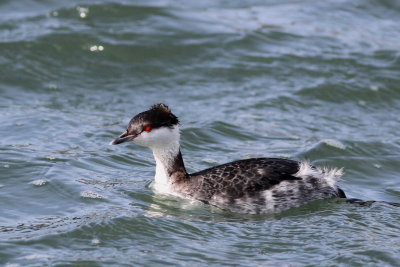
(298,79)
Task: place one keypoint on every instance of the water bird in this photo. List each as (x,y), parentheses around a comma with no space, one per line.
(253,186)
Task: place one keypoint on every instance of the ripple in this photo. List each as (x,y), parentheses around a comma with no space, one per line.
(38,256)
(334,143)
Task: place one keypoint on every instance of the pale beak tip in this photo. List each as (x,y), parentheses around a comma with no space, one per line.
(112,143)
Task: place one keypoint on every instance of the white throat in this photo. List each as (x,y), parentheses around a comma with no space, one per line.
(164,160)
(164,142)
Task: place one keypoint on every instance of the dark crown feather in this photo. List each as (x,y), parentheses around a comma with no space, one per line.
(162,113)
(161,107)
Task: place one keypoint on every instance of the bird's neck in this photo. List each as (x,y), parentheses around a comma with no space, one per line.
(170,169)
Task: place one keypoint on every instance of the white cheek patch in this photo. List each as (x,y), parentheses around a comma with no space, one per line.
(159,137)
(142,140)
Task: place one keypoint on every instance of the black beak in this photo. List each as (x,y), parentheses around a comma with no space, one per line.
(125,137)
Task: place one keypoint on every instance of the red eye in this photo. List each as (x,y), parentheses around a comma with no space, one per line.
(147,128)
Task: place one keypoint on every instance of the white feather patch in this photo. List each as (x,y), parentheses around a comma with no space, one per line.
(331,176)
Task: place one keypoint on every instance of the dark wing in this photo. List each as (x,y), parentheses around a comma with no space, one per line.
(235,179)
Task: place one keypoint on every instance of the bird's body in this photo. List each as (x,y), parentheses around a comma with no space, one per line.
(256,185)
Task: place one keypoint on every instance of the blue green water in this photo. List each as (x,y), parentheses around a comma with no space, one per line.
(317,80)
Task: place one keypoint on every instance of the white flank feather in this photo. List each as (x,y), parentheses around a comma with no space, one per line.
(331,176)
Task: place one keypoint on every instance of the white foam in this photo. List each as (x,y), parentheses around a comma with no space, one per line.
(94,48)
(95,241)
(374,88)
(39,182)
(91,194)
(83,11)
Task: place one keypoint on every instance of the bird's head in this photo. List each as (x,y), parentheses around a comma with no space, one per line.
(156,127)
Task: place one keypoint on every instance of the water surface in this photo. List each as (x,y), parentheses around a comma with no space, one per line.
(295,79)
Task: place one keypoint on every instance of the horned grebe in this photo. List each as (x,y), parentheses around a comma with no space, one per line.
(256,185)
